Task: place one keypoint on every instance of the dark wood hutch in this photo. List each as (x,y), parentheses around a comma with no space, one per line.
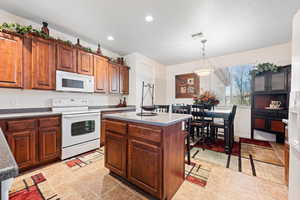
(267,87)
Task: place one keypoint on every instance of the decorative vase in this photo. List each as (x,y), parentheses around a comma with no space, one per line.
(45,28)
(99,50)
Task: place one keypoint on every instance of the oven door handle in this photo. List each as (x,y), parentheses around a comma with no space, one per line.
(82,115)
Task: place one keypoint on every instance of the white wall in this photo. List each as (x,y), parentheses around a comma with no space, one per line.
(17,98)
(149,71)
(279,54)
(294,176)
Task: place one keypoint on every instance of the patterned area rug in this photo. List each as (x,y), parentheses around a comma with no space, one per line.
(85,159)
(260,151)
(32,188)
(255,158)
(197,173)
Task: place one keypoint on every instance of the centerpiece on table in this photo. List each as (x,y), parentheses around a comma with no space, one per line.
(207,99)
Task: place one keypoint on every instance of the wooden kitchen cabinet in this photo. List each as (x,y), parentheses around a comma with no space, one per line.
(33,141)
(144,166)
(116,147)
(114,78)
(49,143)
(43,64)
(66,58)
(22,144)
(11,66)
(124,80)
(101,74)
(85,64)
(21,136)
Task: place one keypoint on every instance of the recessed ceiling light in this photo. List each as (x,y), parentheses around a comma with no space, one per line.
(149,18)
(110,38)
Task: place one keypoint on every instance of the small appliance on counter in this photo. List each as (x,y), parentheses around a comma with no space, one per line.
(80,126)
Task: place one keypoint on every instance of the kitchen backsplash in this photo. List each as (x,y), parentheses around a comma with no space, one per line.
(18,98)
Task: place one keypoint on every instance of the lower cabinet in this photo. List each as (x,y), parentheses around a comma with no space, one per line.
(115,147)
(33,141)
(22,144)
(144,166)
(49,143)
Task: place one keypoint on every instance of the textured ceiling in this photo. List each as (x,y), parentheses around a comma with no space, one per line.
(230,26)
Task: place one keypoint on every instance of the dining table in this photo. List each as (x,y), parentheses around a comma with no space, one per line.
(229,127)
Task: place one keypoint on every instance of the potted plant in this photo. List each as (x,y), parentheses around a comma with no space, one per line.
(264,67)
(207,98)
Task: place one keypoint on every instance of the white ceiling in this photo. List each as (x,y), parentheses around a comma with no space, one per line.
(229,25)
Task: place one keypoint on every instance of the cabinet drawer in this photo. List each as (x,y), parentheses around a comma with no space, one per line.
(116,127)
(145,133)
(49,122)
(20,125)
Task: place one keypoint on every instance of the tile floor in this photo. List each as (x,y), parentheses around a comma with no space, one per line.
(93,182)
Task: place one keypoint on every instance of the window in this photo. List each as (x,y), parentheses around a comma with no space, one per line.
(232,85)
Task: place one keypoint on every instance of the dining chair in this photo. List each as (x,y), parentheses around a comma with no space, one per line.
(162,108)
(185,109)
(215,126)
(199,123)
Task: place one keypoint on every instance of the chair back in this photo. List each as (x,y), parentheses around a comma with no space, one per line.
(181,109)
(162,108)
(198,112)
(232,114)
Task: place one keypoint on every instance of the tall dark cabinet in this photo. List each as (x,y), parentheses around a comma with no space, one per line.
(267,87)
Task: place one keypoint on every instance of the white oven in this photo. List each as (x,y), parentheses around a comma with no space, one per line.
(80,126)
(67,81)
(80,133)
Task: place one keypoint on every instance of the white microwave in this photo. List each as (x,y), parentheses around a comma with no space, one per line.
(72,82)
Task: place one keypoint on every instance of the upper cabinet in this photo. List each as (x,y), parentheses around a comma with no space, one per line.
(101,74)
(272,81)
(43,64)
(114,78)
(85,64)
(124,80)
(65,58)
(30,62)
(10,61)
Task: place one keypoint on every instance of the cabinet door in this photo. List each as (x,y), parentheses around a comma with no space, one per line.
(277,81)
(85,63)
(114,78)
(115,153)
(259,84)
(49,143)
(277,125)
(43,64)
(124,80)
(66,58)
(100,74)
(10,61)
(22,145)
(259,123)
(144,166)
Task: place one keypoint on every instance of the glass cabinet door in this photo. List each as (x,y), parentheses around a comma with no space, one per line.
(259,83)
(277,81)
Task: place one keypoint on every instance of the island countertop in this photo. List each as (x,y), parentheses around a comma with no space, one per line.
(161,119)
(8,165)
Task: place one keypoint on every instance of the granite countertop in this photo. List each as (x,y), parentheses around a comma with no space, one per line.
(161,119)
(34,112)
(8,165)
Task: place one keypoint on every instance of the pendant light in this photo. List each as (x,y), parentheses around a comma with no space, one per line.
(203,71)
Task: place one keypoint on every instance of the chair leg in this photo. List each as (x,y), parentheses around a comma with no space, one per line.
(188,149)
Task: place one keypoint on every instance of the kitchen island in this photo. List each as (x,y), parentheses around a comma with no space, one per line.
(147,151)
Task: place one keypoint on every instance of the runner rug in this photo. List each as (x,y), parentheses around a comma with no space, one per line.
(32,188)
(85,159)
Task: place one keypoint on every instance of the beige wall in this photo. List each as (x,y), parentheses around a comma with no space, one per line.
(279,54)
